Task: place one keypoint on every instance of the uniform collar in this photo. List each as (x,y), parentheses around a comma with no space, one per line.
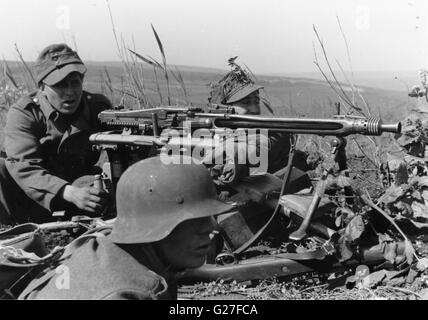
(81,121)
(48,111)
(146,255)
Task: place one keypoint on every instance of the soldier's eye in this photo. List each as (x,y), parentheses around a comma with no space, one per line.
(76,83)
(61,85)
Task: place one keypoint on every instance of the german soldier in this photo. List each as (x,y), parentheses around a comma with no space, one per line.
(47,143)
(239,90)
(163,227)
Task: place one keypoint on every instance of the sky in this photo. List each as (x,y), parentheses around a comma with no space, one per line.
(269,36)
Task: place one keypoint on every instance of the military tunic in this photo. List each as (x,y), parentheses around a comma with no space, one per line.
(101,270)
(46,150)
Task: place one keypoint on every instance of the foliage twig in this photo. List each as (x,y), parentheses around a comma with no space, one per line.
(344,95)
(369,202)
(364,153)
(327,79)
(353,91)
(349,56)
(406,291)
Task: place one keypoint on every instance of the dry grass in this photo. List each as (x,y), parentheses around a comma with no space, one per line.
(374,150)
(134,85)
(311,287)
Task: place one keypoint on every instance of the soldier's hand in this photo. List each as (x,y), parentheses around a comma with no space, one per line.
(232,173)
(229,173)
(86,198)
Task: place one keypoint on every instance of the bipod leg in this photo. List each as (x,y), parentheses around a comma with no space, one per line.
(300,233)
(339,144)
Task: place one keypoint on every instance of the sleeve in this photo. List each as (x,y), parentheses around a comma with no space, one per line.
(256,150)
(279,149)
(267,152)
(100,103)
(25,158)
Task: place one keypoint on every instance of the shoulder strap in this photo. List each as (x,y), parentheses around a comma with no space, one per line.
(285,183)
(78,242)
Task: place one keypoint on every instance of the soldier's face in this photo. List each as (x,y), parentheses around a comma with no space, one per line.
(250,105)
(65,95)
(188,244)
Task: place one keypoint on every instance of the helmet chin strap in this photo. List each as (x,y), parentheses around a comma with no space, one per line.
(164,261)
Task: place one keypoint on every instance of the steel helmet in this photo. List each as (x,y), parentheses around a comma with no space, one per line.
(234,86)
(152,198)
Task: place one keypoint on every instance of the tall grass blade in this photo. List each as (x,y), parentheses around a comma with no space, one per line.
(160,45)
(179,78)
(164,63)
(157,63)
(141,57)
(8,74)
(108,83)
(27,68)
(157,85)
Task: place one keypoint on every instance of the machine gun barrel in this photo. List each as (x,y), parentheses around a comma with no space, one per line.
(338,126)
(174,117)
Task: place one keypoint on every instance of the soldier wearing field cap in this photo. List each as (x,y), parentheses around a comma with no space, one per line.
(163,227)
(47,143)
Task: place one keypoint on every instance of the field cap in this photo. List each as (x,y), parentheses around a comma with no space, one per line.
(57,61)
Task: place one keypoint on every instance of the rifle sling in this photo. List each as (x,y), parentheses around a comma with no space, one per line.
(259,233)
(317,254)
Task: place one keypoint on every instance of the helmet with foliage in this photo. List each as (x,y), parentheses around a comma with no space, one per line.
(153,197)
(234,86)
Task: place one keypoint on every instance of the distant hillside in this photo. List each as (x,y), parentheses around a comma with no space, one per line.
(389,80)
(180,67)
(292,95)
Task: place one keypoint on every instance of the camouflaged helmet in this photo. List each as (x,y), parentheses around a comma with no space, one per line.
(234,86)
(152,198)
